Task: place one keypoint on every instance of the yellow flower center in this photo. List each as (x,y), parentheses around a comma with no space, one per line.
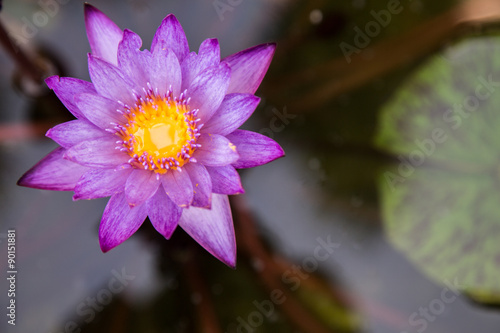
(160,132)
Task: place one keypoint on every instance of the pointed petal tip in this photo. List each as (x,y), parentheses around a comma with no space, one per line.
(52,173)
(229,258)
(282,151)
(88,7)
(89,10)
(170,34)
(170,16)
(22,181)
(105,246)
(248,67)
(51,80)
(216,233)
(230,262)
(102,33)
(269,47)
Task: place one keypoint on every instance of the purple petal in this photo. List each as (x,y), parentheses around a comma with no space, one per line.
(119,221)
(163,213)
(165,71)
(255,149)
(99,153)
(140,186)
(66,88)
(53,173)
(170,35)
(99,110)
(102,33)
(249,67)
(208,90)
(73,132)
(133,62)
(225,180)
(109,82)
(202,185)
(209,53)
(215,150)
(178,187)
(193,64)
(100,183)
(189,69)
(212,228)
(234,110)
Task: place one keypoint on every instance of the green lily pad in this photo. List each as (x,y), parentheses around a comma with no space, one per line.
(441,197)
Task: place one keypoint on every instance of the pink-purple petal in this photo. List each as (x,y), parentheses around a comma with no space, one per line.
(165,72)
(212,228)
(66,88)
(73,132)
(209,53)
(109,81)
(99,153)
(133,62)
(234,110)
(163,213)
(225,180)
(100,183)
(170,35)
(189,69)
(193,64)
(254,149)
(140,186)
(202,185)
(119,221)
(103,34)
(208,90)
(249,67)
(99,110)
(53,173)
(215,150)
(178,187)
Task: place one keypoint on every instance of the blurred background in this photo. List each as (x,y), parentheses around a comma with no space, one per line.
(383,217)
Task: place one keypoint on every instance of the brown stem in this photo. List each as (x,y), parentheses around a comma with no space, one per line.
(274,267)
(270,274)
(23,131)
(341,76)
(24,63)
(389,316)
(119,320)
(208,322)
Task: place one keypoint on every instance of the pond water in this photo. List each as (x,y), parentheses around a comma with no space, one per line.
(382,217)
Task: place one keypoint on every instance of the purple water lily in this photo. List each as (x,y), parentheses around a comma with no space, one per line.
(157,130)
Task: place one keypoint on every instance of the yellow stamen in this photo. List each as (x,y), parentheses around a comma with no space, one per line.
(160,133)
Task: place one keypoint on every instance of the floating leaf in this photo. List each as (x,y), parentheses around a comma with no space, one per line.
(441,200)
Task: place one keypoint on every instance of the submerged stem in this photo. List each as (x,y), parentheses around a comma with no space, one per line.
(205,309)
(24,63)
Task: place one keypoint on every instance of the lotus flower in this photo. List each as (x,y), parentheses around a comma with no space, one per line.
(157,131)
